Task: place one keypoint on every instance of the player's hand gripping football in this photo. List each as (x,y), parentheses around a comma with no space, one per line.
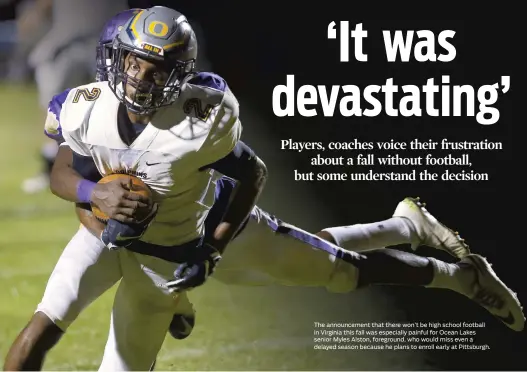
(115,199)
(194,274)
(120,235)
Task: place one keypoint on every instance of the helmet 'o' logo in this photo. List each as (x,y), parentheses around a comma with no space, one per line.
(158,28)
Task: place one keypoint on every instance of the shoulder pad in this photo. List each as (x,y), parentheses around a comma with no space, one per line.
(208,80)
(52,127)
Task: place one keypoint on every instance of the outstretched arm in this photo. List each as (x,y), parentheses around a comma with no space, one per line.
(250,172)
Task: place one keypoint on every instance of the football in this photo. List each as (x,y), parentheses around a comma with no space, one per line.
(136,185)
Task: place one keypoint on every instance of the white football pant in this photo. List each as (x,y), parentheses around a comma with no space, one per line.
(266,252)
(142,308)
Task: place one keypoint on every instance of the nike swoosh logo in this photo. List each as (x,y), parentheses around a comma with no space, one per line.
(124,238)
(509,319)
(150,164)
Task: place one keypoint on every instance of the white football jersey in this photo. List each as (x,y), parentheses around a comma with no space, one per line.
(201,127)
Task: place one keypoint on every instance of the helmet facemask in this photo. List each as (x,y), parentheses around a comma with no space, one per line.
(104,61)
(148,96)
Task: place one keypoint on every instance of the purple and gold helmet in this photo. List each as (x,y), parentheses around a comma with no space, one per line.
(158,34)
(104,47)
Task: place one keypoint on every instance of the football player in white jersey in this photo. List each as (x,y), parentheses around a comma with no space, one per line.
(182,324)
(174,243)
(192,127)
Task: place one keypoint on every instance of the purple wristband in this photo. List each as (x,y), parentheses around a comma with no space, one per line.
(84,189)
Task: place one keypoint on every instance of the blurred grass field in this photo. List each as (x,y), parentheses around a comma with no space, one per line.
(237,328)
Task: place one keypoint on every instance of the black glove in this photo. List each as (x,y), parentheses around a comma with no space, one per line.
(194,274)
(120,235)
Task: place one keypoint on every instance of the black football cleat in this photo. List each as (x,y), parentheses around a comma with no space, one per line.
(181,326)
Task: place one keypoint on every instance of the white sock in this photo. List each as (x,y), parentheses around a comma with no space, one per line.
(451,276)
(363,237)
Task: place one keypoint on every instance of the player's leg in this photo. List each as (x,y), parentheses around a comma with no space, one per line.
(182,323)
(472,277)
(48,78)
(84,271)
(142,312)
(295,257)
(411,224)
